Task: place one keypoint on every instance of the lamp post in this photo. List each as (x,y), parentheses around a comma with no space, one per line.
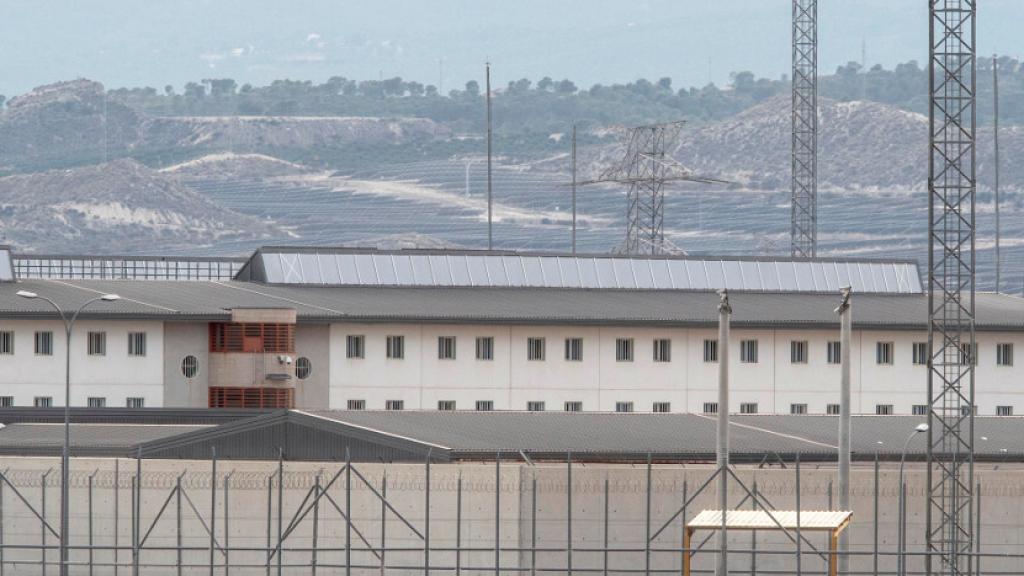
(900,540)
(69,323)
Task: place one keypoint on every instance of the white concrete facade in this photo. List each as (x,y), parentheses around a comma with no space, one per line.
(510,381)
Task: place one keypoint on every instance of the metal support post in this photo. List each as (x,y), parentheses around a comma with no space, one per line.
(799,538)
(316,523)
(426,517)
(213,505)
(383,521)
(604,518)
(724,312)
(647,520)
(280,509)
(497,514)
(568,513)
(804,209)
(458,526)
(533,526)
(42,521)
(177,530)
(845,313)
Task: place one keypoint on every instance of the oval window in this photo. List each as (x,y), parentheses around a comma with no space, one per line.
(190,366)
(303,368)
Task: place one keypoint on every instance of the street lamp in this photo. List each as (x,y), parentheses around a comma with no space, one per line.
(901,539)
(69,323)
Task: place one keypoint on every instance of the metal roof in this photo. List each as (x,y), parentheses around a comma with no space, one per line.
(68,266)
(763,520)
(86,439)
(507,270)
(212,301)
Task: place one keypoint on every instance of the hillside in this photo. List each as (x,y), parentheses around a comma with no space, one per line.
(120,207)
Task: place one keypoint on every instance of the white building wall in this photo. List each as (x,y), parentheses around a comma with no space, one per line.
(114,376)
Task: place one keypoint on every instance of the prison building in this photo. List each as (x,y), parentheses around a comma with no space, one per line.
(363,329)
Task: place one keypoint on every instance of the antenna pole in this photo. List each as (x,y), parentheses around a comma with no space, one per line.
(490,220)
(995,135)
(573,189)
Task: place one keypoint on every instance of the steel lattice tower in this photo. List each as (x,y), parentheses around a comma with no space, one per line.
(804,209)
(951,192)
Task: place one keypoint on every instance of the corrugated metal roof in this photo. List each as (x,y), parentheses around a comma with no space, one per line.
(104,439)
(762,520)
(212,301)
(504,270)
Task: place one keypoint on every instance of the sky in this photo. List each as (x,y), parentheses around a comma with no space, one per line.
(446,42)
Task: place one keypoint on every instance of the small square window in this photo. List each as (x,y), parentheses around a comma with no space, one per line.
(883,353)
(394,404)
(446,348)
(798,352)
(574,349)
(97,343)
(1004,354)
(711,407)
(832,409)
(623,349)
(484,405)
(748,408)
(920,355)
(446,405)
(42,401)
(1004,410)
(6,401)
(711,351)
(748,351)
(355,346)
(883,409)
(96,402)
(7,342)
(662,350)
(357,404)
(485,348)
(574,406)
(44,343)
(969,352)
(835,352)
(395,347)
(136,343)
(535,406)
(798,408)
(135,402)
(662,407)
(535,349)
(623,406)
(919,409)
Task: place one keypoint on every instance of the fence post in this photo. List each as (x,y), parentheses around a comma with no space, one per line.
(682,535)
(138,513)
(42,526)
(799,537)
(213,505)
(280,508)
(533,524)
(383,520)
(568,513)
(977,535)
(1,529)
(497,514)
(91,477)
(647,521)
(458,526)
(270,516)
(316,521)
(227,525)
(604,564)
(117,516)
(177,504)
(875,558)
(348,511)
(753,534)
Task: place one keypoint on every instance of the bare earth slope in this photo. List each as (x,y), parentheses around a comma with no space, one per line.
(120,207)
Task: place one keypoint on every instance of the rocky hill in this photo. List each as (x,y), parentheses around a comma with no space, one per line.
(120,207)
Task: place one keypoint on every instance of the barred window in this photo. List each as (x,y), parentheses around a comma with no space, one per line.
(574,349)
(623,406)
(96,402)
(7,342)
(969,352)
(485,348)
(835,352)
(355,346)
(661,407)
(190,366)
(135,402)
(394,404)
(662,350)
(535,349)
(798,408)
(535,406)
(920,355)
(748,408)
(711,351)
(798,352)
(1004,355)
(832,409)
(884,409)
(446,404)
(919,409)
(711,407)
(357,404)
(396,347)
(136,343)
(303,368)
(446,348)
(748,351)
(883,353)
(44,343)
(574,406)
(623,349)
(6,401)
(97,343)
(1004,410)
(42,401)
(484,405)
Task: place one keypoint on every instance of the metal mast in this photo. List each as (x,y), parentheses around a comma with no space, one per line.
(995,136)
(490,220)
(804,209)
(574,189)
(951,275)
